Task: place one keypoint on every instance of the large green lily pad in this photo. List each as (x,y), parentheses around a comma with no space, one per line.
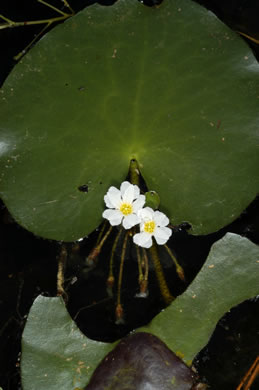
(172,87)
(56,355)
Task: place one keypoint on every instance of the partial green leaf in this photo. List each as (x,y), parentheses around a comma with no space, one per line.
(172,87)
(55,354)
(229,276)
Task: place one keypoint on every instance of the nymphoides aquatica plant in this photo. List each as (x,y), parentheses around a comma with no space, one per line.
(171,87)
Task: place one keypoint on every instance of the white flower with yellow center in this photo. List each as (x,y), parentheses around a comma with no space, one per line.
(123,205)
(153,223)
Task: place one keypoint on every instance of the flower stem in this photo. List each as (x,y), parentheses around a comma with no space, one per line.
(179,269)
(67,5)
(140,271)
(97,249)
(119,309)
(21,54)
(110,279)
(54,8)
(143,276)
(250,376)
(168,298)
(62,258)
(101,232)
(253,39)
(144,283)
(48,22)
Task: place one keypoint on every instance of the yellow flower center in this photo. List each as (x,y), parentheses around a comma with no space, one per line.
(149,226)
(126,208)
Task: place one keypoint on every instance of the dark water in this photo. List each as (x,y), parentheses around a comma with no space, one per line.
(28,264)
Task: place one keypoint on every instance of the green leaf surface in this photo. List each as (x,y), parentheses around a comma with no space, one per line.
(172,87)
(229,276)
(56,355)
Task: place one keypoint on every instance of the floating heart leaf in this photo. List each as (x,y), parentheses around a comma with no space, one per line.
(56,355)
(172,87)
(229,276)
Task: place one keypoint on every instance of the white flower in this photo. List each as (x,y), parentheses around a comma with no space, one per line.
(123,205)
(153,223)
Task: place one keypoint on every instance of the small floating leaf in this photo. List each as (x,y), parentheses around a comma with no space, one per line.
(55,354)
(229,276)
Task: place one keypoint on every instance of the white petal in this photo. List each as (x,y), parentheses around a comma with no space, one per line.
(143,239)
(146,214)
(130,220)
(114,197)
(160,219)
(113,190)
(162,235)
(128,195)
(124,186)
(141,225)
(108,202)
(113,216)
(138,203)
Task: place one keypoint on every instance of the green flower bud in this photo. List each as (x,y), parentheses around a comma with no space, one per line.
(152,200)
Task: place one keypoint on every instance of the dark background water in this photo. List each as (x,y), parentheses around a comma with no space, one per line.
(28,264)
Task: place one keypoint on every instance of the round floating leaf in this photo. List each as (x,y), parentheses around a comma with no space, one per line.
(55,354)
(229,276)
(142,361)
(172,87)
